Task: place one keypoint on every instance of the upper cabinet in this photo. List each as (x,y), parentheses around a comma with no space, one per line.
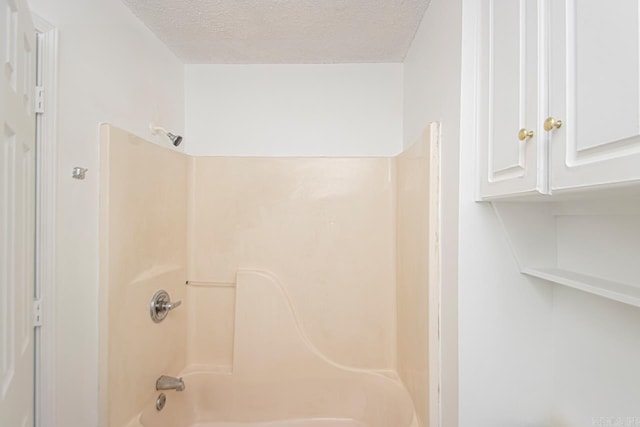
(558,95)
(508,91)
(594,88)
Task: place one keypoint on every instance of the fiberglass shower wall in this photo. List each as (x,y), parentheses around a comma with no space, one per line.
(352,240)
(143,248)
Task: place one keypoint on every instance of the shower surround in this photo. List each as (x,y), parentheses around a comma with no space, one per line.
(287,272)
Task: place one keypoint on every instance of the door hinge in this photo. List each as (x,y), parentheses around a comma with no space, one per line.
(39,98)
(37,313)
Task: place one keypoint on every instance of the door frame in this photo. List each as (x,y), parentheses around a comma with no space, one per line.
(45,256)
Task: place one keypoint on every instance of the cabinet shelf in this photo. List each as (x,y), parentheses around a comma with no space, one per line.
(616,291)
(589,243)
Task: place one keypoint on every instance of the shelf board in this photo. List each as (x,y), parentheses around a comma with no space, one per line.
(616,291)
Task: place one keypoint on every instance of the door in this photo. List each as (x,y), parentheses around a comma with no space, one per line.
(17,210)
(509,138)
(594,90)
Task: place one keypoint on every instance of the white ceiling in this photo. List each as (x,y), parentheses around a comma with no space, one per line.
(283,31)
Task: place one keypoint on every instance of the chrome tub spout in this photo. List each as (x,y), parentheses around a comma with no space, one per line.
(166,382)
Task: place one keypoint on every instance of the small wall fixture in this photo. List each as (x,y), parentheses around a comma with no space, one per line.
(78,172)
(161,305)
(175,139)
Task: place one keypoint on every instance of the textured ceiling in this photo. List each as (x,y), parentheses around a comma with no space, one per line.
(283,31)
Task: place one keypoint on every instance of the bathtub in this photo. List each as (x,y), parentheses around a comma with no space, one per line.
(278,377)
(221,400)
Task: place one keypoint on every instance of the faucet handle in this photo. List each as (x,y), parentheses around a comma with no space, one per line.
(161,305)
(168,306)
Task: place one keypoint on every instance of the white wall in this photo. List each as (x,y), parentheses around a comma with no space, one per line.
(596,348)
(534,353)
(432,93)
(111,69)
(506,358)
(597,341)
(294,110)
(503,318)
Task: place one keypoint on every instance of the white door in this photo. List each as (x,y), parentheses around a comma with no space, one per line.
(508,98)
(17,207)
(594,90)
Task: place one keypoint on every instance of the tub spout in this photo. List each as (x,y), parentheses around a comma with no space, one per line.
(169,383)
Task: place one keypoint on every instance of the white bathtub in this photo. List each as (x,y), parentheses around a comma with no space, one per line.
(278,378)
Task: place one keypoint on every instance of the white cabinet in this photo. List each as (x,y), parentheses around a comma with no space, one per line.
(576,61)
(594,88)
(508,97)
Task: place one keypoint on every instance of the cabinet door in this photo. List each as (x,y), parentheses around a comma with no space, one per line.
(507,98)
(594,89)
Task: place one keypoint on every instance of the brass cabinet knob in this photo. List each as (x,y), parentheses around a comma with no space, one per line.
(551,124)
(525,134)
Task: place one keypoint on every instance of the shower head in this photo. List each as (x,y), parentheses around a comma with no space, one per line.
(175,139)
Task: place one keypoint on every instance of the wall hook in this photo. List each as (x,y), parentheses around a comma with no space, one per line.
(78,172)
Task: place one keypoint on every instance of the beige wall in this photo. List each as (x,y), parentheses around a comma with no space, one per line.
(324,227)
(417,274)
(143,250)
(331,230)
(211,325)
